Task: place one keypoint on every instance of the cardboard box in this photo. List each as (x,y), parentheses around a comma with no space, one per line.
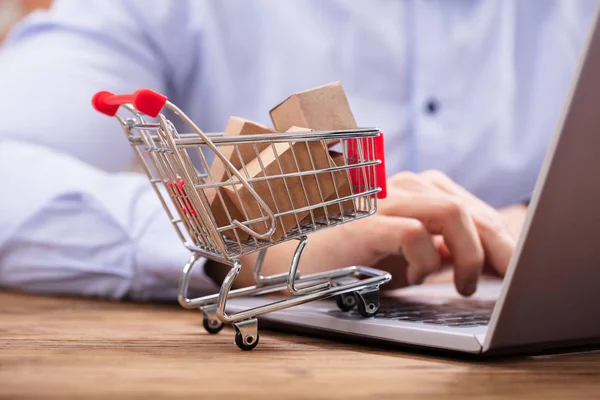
(343,189)
(235,127)
(322,108)
(238,126)
(289,193)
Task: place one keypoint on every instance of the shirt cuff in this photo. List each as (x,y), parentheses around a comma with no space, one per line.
(160,258)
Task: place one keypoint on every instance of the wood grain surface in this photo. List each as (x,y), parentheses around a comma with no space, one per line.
(74,348)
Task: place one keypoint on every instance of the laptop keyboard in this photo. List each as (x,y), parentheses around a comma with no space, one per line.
(454,313)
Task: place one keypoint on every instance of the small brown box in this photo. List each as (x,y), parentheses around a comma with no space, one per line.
(285,194)
(343,190)
(322,108)
(235,127)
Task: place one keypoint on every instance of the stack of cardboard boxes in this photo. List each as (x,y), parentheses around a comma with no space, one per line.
(319,109)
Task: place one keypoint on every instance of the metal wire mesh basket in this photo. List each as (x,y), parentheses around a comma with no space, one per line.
(266,189)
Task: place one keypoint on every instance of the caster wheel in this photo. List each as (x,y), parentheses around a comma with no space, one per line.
(368,303)
(250,344)
(212,326)
(346,301)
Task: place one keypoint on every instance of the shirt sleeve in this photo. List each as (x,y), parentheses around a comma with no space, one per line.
(69,222)
(69,228)
(52,64)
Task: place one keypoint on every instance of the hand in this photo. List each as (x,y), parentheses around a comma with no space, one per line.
(514,217)
(433,222)
(426,223)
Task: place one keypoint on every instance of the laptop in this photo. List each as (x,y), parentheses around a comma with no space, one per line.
(550,296)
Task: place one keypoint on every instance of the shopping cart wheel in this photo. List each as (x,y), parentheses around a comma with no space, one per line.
(211,325)
(246,334)
(346,301)
(210,321)
(368,302)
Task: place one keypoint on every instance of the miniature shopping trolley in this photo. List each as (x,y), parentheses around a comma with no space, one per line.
(197,202)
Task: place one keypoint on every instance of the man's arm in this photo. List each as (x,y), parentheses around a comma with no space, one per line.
(68,223)
(53,63)
(69,228)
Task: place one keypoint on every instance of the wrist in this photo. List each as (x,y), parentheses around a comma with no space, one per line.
(216,271)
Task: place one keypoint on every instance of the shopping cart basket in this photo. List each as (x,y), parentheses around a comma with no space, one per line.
(177,165)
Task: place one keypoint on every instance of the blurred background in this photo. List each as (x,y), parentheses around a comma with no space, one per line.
(12,11)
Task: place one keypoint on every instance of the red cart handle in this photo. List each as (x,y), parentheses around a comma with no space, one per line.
(380,172)
(145,101)
(362,178)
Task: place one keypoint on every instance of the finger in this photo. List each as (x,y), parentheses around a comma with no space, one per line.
(496,238)
(410,181)
(444,214)
(443,182)
(413,241)
(442,249)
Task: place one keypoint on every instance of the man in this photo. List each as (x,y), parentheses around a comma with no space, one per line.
(472,89)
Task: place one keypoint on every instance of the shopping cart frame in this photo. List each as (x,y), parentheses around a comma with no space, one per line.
(344,283)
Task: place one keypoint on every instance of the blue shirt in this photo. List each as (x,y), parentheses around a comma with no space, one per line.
(473,88)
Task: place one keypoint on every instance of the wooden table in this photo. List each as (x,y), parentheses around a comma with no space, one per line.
(59,348)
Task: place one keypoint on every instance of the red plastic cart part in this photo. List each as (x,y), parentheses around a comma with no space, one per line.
(145,101)
(185,205)
(374,152)
(380,169)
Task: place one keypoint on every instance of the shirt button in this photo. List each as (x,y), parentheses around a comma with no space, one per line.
(432,106)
